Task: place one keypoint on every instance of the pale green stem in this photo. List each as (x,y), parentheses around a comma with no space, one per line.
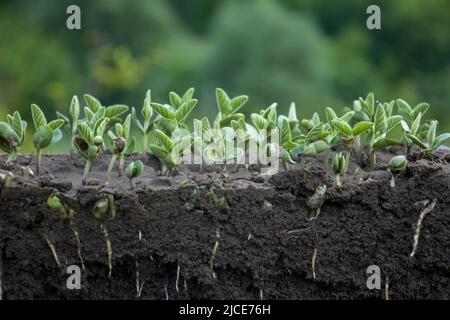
(11,157)
(121,164)
(144,144)
(86,172)
(373,159)
(38,161)
(111,165)
(338,180)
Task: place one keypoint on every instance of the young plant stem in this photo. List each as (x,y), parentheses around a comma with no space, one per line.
(357,147)
(144,145)
(121,164)
(133,183)
(373,159)
(11,157)
(38,161)
(338,180)
(86,172)
(110,166)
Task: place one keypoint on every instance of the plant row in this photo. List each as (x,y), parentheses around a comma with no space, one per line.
(364,129)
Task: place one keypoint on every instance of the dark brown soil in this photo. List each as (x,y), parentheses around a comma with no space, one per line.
(263,237)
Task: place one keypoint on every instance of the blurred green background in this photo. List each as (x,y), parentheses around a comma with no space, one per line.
(316,53)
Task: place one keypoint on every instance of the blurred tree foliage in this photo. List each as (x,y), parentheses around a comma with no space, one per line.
(313,52)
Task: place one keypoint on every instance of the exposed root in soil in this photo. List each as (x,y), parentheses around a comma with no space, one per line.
(185,287)
(109,249)
(214,252)
(429,207)
(313,263)
(53,250)
(77,237)
(166,292)
(261,295)
(138,286)
(386,289)
(178,278)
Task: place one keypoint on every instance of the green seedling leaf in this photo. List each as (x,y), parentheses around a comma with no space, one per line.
(74,110)
(420,108)
(164,110)
(86,133)
(92,102)
(55,124)
(185,109)
(361,127)
(38,116)
(175,100)
(384,143)
(343,127)
(134,169)
(259,122)
(380,123)
(238,102)
(432,132)
(115,110)
(165,141)
(223,101)
(439,140)
(398,163)
(57,136)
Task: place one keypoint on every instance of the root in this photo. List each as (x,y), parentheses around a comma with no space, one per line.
(77,237)
(178,278)
(109,250)
(386,289)
(313,263)
(167,293)
(429,207)
(52,248)
(185,285)
(138,286)
(214,252)
(261,295)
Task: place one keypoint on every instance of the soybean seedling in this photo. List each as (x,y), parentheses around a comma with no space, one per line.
(74,111)
(12,135)
(47,134)
(169,151)
(172,116)
(122,145)
(89,142)
(146,126)
(134,170)
(432,141)
(396,165)
(411,122)
(340,166)
(382,125)
(228,108)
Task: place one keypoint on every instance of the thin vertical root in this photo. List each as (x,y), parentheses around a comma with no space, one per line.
(313,263)
(178,278)
(261,295)
(109,250)
(77,238)
(138,286)
(185,285)
(52,248)
(429,207)
(386,289)
(214,251)
(166,292)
